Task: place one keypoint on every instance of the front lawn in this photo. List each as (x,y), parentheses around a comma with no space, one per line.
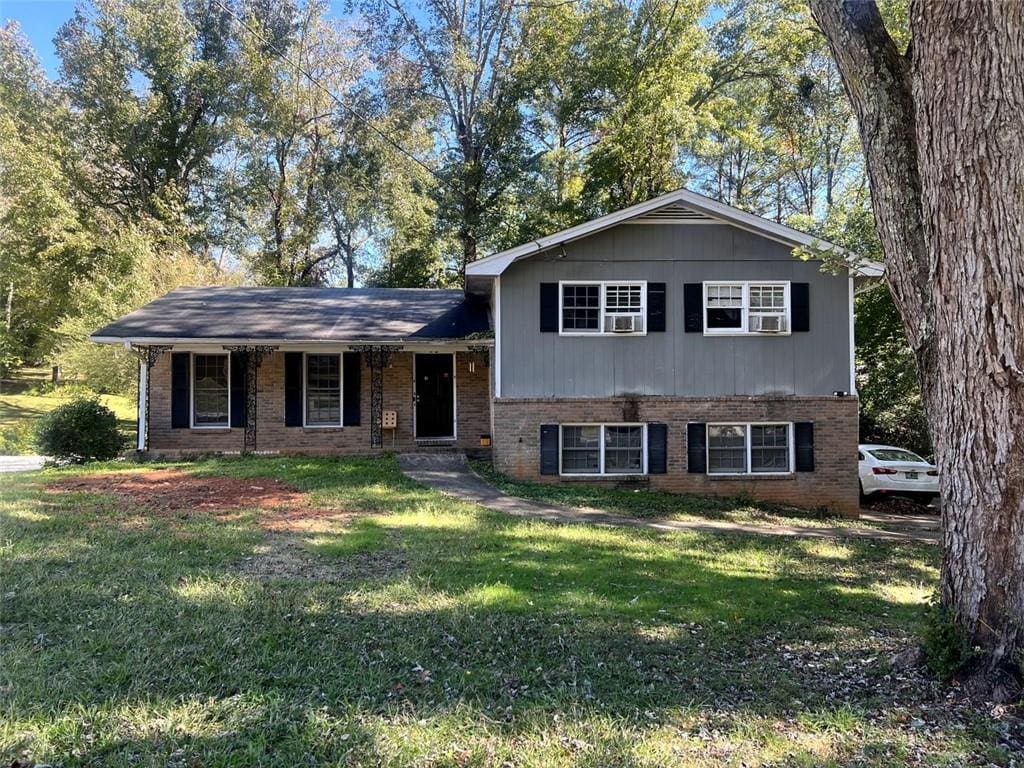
(19,412)
(649,503)
(285,612)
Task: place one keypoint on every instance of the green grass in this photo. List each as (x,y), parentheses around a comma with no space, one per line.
(646,503)
(18,413)
(423,631)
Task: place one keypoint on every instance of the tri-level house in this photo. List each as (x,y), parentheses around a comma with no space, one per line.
(677,344)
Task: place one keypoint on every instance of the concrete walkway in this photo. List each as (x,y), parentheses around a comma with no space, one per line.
(451,474)
(21,463)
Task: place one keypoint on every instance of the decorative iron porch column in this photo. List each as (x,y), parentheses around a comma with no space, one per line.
(254,354)
(147,357)
(377,357)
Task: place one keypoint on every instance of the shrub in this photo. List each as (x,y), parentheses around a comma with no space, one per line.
(82,430)
(946,647)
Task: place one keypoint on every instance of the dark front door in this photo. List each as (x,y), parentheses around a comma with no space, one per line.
(435,396)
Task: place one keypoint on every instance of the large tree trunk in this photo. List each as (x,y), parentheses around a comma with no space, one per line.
(943,135)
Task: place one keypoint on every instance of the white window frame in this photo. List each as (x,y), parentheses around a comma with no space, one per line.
(600,442)
(192,390)
(604,284)
(341,391)
(745,311)
(791,448)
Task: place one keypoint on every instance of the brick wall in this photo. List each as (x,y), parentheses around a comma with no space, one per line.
(472,413)
(833,483)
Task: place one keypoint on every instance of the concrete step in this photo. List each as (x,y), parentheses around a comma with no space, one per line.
(433,462)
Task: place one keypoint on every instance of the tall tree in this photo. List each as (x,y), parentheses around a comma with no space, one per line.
(39,225)
(654,76)
(301,174)
(465,53)
(152,85)
(942,126)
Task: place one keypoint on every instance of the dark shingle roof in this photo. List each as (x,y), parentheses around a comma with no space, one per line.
(303,314)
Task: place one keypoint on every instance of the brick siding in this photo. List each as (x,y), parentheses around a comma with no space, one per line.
(472,413)
(833,484)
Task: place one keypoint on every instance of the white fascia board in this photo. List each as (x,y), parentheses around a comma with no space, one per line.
(493,266)
(496,264)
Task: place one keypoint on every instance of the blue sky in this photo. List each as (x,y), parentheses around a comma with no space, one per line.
(40,20)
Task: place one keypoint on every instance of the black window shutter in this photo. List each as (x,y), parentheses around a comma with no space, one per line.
(696,448)
(238,405)
(549,449)
(293,389)
(657,449)
(804,434)
(181,370)
(693,307)
(800,297)
(549,307)
(351,370)
(656,307)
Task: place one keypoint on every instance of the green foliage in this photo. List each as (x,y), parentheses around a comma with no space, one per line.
(17,438)
(80,431)
(946,646)
(181,145)
(891,409)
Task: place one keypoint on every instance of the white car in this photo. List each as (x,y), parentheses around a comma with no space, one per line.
(885,469)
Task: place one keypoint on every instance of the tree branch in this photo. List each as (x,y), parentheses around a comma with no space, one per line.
(878,81)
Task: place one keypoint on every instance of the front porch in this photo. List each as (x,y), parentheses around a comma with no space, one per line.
(314,398)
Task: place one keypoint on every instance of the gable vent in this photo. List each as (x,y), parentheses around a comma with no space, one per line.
(673,213)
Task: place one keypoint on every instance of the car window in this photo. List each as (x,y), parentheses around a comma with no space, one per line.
(895,454)
(860,456)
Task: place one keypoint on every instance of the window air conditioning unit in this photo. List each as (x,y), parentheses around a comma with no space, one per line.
(768,323)
(623,323)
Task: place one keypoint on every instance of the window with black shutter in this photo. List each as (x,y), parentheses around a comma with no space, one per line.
(351,378)
(696,448)
(180,387)
(293,389)
(656,307)
(657,449)
(549,449)
(804,439)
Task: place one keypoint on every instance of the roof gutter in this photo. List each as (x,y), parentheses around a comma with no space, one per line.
(129,341)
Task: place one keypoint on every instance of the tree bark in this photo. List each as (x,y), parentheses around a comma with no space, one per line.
(943,135)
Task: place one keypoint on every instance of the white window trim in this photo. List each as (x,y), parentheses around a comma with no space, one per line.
(745,310)
(192,390)
(600,441)
(791,448)
(601,310)
(341,391)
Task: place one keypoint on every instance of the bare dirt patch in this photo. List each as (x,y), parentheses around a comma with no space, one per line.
(285,556)
(177,493)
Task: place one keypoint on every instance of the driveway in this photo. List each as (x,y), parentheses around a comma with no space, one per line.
(21,463)
(452,474)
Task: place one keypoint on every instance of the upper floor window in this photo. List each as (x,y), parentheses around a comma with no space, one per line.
(603,307)
(733,307)
(211,390)
(323,390)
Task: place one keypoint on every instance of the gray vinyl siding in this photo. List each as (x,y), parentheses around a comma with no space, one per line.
(535,364)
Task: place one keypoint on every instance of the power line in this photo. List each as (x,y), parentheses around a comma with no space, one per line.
(351,110)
